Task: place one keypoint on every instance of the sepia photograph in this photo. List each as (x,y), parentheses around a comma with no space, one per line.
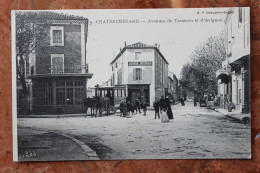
(131,84)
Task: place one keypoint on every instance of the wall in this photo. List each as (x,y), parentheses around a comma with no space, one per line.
(71,50)
(238,34)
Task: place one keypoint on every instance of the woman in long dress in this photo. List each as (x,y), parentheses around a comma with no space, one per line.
(164,116)
(169,109)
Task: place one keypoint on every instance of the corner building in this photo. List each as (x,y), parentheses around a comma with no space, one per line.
(142,70)
(58,68)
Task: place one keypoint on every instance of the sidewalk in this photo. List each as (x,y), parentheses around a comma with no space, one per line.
(52,116)
(234,115)
(40,145)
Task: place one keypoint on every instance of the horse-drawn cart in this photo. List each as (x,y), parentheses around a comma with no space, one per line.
(106,100)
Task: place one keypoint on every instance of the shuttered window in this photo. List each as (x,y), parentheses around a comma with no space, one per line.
(57,36)
(57,63)
(137,74)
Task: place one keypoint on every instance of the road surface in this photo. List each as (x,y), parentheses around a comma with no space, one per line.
(195,132)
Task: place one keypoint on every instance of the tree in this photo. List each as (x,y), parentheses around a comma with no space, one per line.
(29,28)
(198,76)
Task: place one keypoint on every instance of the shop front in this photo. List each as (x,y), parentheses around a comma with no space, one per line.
(140,92)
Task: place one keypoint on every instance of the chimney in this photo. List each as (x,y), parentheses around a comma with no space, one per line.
(125,43)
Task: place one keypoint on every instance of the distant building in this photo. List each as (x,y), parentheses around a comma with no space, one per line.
(59,71)
(142,70)
(91,92)
(234,77)
(173,85)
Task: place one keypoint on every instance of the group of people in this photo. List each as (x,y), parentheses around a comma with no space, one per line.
(132,107)
(163,107)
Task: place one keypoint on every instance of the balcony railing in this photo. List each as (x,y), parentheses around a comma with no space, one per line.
(61,70)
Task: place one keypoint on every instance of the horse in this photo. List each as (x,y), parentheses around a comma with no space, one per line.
(90,103)
(103,104)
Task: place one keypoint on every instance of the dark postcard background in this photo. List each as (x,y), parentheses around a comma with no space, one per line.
(6,163)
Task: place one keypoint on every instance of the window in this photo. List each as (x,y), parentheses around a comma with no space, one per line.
(119,77)
(240,14)
(119,93)
(57,36)
(137,74)
(69,92)
(60,96)
(116,64)
(78,96)
(69,96)
(137,55)
(43,92)
(57,63)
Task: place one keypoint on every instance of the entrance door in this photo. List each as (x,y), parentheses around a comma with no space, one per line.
(136,94)
(141,94)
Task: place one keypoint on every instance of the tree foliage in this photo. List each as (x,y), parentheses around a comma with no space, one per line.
(198,75)
(29,28)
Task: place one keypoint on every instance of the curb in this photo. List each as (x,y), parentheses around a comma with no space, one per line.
(244,119)
(89,152)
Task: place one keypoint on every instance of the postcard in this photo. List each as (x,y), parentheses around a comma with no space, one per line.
(131,84)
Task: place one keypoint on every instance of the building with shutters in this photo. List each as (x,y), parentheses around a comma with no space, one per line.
(58,68)
(142,70)
(173,86)
(234,77)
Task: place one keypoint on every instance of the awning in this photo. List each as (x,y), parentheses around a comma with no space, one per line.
(223,75)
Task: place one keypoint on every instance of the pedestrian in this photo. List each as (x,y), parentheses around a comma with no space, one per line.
(163,103)
(137,105)
(144,108)
(169,108)
(182,101)
(128,107)
(164,118)
(132,109)
(195,101)
(156,106)
(122,108)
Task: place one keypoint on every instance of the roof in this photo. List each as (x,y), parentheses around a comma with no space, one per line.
(50,15)
(138,45)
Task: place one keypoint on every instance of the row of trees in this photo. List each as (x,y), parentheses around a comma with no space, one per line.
(198,75)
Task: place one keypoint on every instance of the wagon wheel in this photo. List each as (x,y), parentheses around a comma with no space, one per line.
(112,109)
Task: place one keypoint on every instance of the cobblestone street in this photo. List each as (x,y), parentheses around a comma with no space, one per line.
(195,132)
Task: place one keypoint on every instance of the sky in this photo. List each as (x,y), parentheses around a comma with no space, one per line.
(177,39)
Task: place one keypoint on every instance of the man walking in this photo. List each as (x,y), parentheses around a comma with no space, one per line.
(156,106)
(122,108)
(137,105)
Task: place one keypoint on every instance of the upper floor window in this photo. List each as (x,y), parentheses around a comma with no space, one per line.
(57,63)
(57,36)
(137,55)
(137,74)
(240,14)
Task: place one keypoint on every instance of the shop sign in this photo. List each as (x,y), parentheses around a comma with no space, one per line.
(138,86)
(140,63)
